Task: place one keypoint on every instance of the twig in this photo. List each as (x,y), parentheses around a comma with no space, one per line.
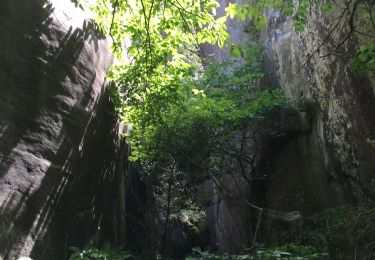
(325,39)
(364,34)
(258,221)
(371,15)
(112,22)
(351,24)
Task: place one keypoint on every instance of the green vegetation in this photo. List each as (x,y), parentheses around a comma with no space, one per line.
(199,134)
(348,231)
(187,119)
(364,61)
(195,120)
(158,71)
(104,253)
(285,252)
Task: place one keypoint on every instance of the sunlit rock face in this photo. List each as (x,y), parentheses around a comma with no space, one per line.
(60,172)
(334,163)
(236,29)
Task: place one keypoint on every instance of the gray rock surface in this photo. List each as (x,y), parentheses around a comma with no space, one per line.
(334,163)
(61,153)
(331,163)
(236,30)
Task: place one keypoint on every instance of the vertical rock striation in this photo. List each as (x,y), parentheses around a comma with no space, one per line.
(61,152)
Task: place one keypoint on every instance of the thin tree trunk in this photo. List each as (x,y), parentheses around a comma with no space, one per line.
(168,213)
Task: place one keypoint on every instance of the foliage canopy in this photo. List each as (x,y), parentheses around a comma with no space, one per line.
(190,118)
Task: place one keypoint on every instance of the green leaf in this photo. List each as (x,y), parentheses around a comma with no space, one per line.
(326,7)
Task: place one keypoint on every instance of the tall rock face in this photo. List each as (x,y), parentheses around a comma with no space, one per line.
(61,153)
(334,163)
(228,218)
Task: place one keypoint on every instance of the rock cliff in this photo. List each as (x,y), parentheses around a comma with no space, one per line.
(61,152)
(63,162)
(330,164)
(333,164)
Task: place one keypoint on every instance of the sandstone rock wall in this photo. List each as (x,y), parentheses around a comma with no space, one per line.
(62,159)
(331,164)
(334,163)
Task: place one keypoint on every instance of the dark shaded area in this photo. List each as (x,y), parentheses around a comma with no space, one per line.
(61,156)
(141,225)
